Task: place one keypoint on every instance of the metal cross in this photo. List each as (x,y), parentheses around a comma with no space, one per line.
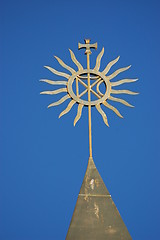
(87,45)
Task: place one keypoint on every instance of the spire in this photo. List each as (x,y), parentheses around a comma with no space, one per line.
(95,215)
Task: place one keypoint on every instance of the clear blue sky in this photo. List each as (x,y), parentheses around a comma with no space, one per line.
(43,159)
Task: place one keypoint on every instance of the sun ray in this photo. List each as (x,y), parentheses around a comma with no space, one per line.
(53,82)
(110,64)
(113,109)
(79,112)
(123,92)
(55,91)
(118,72)
(98,60)
(102,113)
(65,65)
(120,100)
(62,74)
(123,81)
(60,101)
(75,60)
(68,108)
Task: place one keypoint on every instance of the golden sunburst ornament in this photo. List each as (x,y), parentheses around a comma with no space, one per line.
(94,78)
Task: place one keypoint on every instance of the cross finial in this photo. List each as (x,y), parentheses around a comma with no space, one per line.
(87,46)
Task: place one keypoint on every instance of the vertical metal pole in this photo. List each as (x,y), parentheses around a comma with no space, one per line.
(89,108)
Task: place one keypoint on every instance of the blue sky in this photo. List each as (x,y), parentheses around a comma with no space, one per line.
(42,158)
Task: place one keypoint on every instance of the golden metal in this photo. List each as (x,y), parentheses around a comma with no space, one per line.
(60,101)
(88,52)
(77,88)
(95,207)
(68,108)
(108,67)
(121,101)
(123,92)
(57,72)
(103,114)
(123,81)
(98,60)
(55,91)
(118,72)
(113,109)
(99,75)
(87,46)
(89,78)
(79,112)
(54,82)
(75,60)
(65,65)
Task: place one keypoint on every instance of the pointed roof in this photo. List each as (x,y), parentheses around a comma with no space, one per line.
(95,215)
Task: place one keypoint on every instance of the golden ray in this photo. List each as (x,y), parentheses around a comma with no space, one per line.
(123,81)
(65,65)
(57,72)
(79,112)
(75,60)
(53,82)
(68,108)
(102,113)
(123,92)
(55,91)
(60,101)
(117,72)
(113,109)
(98,60)
(110,64)
(120,100)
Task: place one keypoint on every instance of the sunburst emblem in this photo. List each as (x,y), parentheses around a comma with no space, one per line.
(91,80)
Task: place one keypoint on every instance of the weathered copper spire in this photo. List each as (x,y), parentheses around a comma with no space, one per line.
(95,216)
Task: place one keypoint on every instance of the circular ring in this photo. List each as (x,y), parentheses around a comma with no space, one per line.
(84,102)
